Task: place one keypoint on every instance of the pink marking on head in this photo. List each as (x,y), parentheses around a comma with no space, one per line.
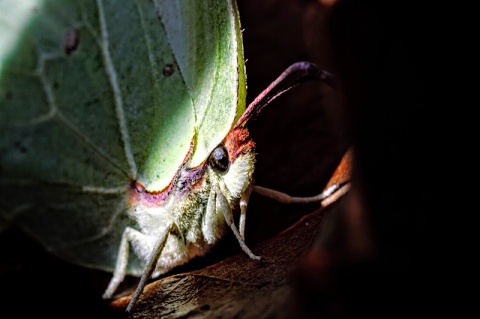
(238,142)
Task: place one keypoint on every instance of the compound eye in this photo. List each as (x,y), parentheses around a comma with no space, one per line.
(219,159)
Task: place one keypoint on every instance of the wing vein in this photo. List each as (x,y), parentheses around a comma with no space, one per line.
(117,94)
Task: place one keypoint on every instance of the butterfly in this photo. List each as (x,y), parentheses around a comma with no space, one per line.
(123,131)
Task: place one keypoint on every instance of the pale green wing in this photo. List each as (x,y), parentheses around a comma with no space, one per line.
(210,56)
(91,97)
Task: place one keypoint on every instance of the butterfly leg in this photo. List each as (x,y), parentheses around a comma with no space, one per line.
(212,222)
(128,236)
(151,264)
(243,210)
(287,199)
(221,205)
(142,246)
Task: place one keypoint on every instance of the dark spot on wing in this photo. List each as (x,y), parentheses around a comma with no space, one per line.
(72,39)
(168,69)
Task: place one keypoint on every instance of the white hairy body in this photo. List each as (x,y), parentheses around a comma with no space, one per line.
(191,219)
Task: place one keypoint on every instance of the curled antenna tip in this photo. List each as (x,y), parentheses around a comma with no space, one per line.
(312,71)
(326,77)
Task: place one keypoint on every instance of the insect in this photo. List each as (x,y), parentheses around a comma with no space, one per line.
(126,148)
